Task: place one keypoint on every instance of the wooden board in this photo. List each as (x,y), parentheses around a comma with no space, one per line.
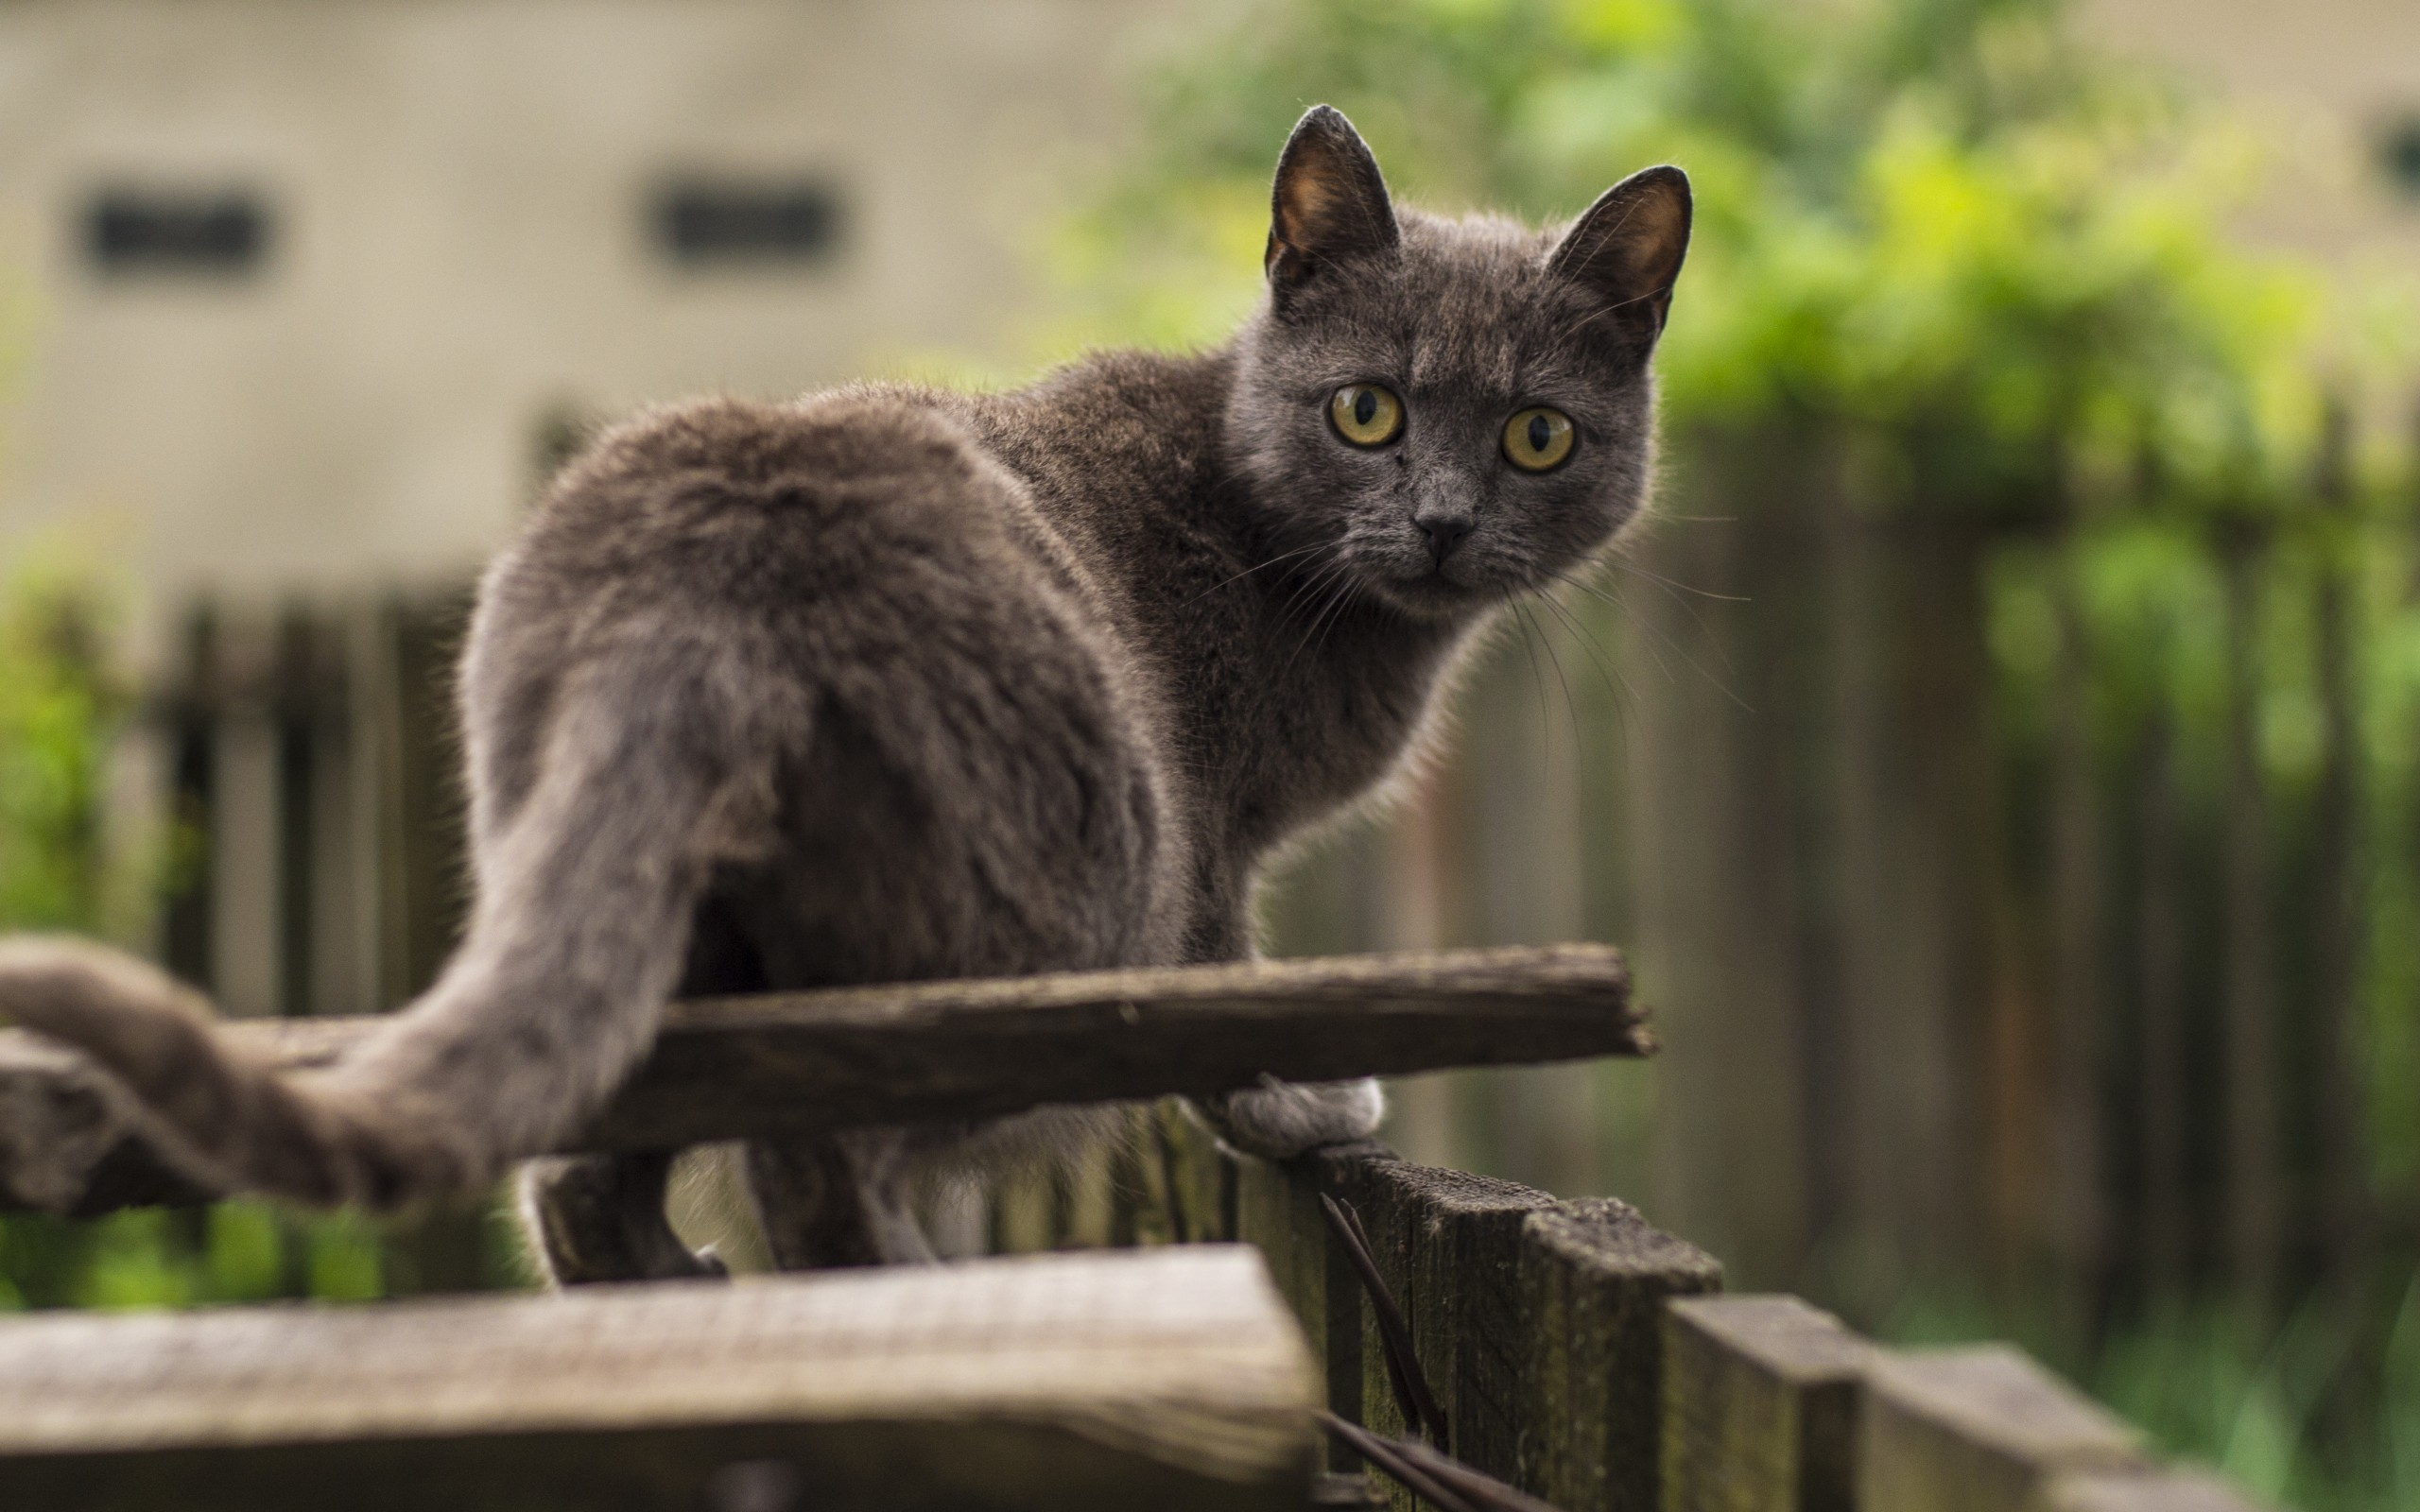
(1162,1379)
(803,1062)
(1595,1278)
(1981,1430)
(1760,1400)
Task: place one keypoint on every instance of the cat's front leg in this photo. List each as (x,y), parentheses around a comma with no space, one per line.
(1279,1120)
(594,1218)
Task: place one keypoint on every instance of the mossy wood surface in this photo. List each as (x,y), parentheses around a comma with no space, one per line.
(1760,1397)
(1537,1322)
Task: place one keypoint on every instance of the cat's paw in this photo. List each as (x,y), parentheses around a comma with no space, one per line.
(1281,1120)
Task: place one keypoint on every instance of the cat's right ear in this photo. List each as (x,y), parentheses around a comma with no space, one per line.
(1627,248)
(1329,204)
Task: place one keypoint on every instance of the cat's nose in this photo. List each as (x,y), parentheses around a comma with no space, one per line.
(1446,528)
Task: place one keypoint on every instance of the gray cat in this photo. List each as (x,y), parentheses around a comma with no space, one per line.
(892,684)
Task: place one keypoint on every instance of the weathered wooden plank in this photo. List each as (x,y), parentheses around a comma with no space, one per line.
(1536,1322)
(1981,1430)
(1449,1246)
(1760,1406)
(794,1063)
(1277,1209)
(2151,1491)
(1162,1379)
(1595,1281)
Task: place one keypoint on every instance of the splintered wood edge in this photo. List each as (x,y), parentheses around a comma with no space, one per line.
(1183,1357)
(787,1063)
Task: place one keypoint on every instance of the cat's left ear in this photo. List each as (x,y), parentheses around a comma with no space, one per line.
(1627,249)
(1329,204)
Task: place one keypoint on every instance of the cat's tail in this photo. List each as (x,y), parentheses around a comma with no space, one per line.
(586,891)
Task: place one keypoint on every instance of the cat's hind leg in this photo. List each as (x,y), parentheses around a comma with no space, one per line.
(832,1200)
(600,1218)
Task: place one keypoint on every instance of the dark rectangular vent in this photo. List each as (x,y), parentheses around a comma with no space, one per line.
(145,231)
(2399,154)
(712,225)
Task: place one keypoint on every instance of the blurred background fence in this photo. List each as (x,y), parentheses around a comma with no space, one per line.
(2000,750)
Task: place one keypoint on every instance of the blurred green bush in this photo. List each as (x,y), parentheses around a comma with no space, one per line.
(60,708)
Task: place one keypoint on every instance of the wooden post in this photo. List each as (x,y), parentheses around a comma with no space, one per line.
(1537,1323)
(2163,1043)
(2254,1206)
(2338,1211)
(1722,849)
(1166,1379)
(2076,1131)
(1594,1280)
(1979,1430)
(1277,1209)
(1449,1246)
(1760,1406)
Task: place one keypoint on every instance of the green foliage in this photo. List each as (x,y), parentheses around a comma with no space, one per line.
(56,705)
(230,1252)
(60,710)
(1936,219)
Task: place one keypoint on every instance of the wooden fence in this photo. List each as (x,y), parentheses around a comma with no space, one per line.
(307,755)
(1568,1348)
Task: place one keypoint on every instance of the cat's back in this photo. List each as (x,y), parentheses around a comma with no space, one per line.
(908,632)
(761,502)
(1119,434)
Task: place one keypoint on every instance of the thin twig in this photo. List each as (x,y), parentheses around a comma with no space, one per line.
(1414,1400)
(1449,1483)
(1482,1490)
(1387,1455)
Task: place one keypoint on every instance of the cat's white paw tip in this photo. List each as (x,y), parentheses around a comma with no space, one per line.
(1279,1120)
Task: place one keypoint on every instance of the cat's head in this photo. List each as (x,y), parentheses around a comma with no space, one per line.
(1440,413)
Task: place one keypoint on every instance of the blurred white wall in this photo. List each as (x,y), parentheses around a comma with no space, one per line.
(458,201)
(2332,88)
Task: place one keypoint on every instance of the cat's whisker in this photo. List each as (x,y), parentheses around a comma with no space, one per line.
(1617,688)
(1654,655)
(1664,636)
(1690,609)
(1676,585)
(1351,595)
(1282,557)
(1339,572)
(1598,651)
(1569,706)
(1306,588)
(1536,679)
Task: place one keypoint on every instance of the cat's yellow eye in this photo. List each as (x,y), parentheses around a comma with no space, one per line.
(1365,414)
(1536,439)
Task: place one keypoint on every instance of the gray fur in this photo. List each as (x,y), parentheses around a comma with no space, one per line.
(892,684)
